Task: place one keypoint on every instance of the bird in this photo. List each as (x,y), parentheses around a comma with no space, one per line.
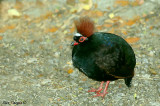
(101,56)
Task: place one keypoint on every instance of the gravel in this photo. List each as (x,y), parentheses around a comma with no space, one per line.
(35,60)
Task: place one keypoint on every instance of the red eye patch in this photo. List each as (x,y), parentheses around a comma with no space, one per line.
(82,39)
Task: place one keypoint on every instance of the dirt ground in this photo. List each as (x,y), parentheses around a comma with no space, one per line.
(35,52)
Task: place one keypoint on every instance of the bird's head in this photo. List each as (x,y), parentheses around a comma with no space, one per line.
(85,28)
(78,38)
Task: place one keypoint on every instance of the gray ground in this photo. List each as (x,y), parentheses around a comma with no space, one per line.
(34,61)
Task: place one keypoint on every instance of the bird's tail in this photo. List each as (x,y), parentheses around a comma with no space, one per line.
(128,81)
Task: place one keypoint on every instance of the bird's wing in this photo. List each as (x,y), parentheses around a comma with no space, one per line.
(111,60)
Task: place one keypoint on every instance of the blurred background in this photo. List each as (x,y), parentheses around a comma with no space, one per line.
(35,52)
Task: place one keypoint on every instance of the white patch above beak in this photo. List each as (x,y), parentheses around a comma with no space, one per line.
(77,34)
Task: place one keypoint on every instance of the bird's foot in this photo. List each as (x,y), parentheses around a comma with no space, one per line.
(101,94)
(105,90)
(95,90)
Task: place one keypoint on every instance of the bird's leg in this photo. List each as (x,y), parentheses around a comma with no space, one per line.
(97,90)
(104,91)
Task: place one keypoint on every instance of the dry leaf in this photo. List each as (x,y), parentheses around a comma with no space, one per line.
(10,27)
(132,39)
(93,13)
(65,31)
(14,13)
(50,99)
(57,42)
(43,17)
(153,34)
(111,30)
(18,5)
(72,10)
(53,29)
(124,32)
(107,25)
(32,41)
(47,15)
(136,46)
(88,5)
(144,15)
(40,75)
(99,27)
(69,63)
(151,27)
(109,21)
(95,5)
(39,3)
(117,19)
(72,29)
(70,71)
(26,16)
(6,28)
(111,15)
(71,2)
(1,37)
(2,30)
(84,79)
(69,38)
(60,47)
(153,72)
(140,2)
(131,22)
(134,3)
(99,13)
(122,2)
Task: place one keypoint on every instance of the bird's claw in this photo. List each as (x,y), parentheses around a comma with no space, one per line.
(101,94)
(97,91)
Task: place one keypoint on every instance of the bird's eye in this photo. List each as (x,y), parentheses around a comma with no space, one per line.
(81,39)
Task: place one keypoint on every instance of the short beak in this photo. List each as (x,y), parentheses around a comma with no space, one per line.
(74,43)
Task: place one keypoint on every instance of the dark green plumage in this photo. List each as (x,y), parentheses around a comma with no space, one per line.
(105,57)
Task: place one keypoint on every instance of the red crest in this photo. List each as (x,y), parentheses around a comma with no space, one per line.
(85,26)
